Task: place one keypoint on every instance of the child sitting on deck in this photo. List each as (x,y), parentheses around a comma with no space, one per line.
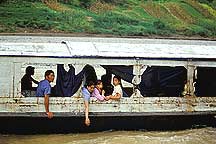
(98,92)
(117,92)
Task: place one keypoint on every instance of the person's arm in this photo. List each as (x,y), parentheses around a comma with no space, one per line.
(86,96)
(103,93)
(87,121)
(99,96)
(46,104)
(47,93)
(117,96)
(35,81)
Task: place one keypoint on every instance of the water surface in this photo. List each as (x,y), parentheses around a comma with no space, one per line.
(190,136)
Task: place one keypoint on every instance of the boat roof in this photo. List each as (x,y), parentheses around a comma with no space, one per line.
(112,48)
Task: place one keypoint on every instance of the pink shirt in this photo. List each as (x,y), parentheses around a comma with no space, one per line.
(97,94)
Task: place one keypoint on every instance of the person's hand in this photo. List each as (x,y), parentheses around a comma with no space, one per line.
(87,122)
(49,115)
(103,92)
(107,97)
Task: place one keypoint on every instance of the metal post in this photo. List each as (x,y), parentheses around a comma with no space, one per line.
(137,78)
(190,76)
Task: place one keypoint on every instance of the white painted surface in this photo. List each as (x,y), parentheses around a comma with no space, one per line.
(106,48)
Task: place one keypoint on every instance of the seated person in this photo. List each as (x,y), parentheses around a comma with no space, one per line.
(44,90)
(86,92)
(117,92)
(98,92)
(26,82)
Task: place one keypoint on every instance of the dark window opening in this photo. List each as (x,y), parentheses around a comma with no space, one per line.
(205,82)
(163,81)
(68,83)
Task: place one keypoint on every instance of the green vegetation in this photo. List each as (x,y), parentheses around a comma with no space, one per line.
(114,17)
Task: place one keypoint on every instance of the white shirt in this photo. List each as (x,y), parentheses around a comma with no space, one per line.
(117,89)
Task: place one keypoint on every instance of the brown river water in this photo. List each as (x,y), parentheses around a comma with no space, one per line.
(190,136)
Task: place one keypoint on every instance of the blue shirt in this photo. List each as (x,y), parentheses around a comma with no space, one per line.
(44,88)
(86,94)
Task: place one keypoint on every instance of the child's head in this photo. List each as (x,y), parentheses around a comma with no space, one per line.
(99,84)
(90,86)
(116,80)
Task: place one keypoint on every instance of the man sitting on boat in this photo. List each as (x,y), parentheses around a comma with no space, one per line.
(26,82)
(44,89)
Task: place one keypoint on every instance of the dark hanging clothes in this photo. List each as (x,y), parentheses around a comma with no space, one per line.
(107,86)
(125,72)
(90,74)
(155,81)
(164,81)
(149,84)
(67,83)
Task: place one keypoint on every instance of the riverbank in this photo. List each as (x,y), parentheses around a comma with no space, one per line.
(179,19)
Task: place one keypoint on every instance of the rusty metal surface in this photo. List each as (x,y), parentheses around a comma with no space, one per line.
(125,105)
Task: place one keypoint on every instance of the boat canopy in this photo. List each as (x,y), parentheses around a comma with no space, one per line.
(94,49)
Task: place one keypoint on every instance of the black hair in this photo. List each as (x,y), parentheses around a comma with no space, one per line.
(48,72)
(118,78)
(29,69)
(90,83)
(98,82)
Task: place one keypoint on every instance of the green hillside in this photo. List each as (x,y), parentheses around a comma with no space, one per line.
(110,17)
